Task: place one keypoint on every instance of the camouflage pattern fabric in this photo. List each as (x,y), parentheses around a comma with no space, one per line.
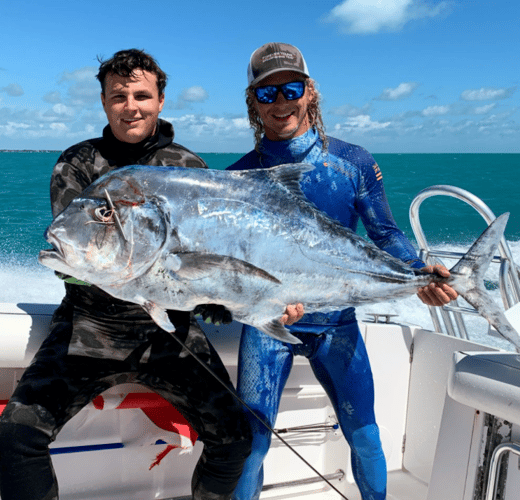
(58,384)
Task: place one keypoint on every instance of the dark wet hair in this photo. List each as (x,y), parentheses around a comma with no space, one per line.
(125,62)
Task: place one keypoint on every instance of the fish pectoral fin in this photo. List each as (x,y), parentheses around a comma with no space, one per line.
(276,330)
(196,266)
(160,316)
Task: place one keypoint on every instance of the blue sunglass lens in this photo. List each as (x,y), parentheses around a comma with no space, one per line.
(269,93)
(293,90)
(266,94)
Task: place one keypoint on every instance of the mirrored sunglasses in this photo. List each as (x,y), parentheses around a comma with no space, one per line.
(269,93)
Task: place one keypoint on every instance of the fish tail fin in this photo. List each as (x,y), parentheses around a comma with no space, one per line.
(468,279)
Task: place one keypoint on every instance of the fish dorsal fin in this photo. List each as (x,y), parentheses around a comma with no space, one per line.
(290,175)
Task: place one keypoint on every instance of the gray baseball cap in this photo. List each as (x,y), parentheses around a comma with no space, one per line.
(272,58)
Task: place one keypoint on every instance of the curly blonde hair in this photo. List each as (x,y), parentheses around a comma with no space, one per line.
(313,114)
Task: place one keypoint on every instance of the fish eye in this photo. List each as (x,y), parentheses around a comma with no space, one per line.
(104,214)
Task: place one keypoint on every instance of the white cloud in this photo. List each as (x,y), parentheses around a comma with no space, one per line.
(59,127)
(12,127)
(212,133)
(194,94)
(482,110)
(60,122)
(430,128)
(456,109)
(348,110)
(487,94)
(402,91)
(83,87)
(46,131)
(361,123)
(52,97)
(58,113)
(187,97)
(373,16)
(13,89)
(85,74)
(199,125)
(84,94)
(435,111)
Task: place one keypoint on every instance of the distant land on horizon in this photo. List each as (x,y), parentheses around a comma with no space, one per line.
(30,150)
(215,153)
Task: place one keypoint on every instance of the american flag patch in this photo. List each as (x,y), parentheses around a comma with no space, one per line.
(378,173)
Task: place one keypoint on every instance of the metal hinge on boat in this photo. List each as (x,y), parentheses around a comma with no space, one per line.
(338,475)
(411,351)
(404,444)
(330,425)
(376,317)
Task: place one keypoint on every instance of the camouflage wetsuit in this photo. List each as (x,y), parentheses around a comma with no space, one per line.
(96,342)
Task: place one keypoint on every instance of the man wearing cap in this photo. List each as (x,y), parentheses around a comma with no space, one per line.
(346,183)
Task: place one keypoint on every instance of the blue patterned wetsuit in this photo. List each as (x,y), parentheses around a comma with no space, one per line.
(347,184)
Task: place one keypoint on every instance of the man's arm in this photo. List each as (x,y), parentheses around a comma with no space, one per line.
(71,175)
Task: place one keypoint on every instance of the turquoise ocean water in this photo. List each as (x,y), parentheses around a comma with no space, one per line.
(448,223)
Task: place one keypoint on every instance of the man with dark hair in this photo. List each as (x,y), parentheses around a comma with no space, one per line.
(97,341)
(125,62)
(346,183)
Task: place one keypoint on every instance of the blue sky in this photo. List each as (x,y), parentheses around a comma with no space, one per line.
(396,76)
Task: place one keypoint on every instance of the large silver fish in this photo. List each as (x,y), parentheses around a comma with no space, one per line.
(174,238)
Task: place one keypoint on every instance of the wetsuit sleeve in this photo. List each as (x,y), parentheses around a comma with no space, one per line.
(69,178)
(375,213)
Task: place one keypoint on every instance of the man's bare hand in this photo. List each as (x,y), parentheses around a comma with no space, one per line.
(437,294)
(293,313)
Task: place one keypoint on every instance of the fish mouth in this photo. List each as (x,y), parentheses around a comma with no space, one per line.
(58,257)
(49,255)
(54,259)
(56,252)
(51,252)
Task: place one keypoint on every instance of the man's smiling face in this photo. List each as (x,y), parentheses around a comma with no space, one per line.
(132,105)
(284,119)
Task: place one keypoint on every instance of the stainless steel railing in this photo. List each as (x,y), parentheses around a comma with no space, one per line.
(494,467)
(509,282)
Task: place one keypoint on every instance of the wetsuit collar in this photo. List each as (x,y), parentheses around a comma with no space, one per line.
(126,153)
(291,151)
